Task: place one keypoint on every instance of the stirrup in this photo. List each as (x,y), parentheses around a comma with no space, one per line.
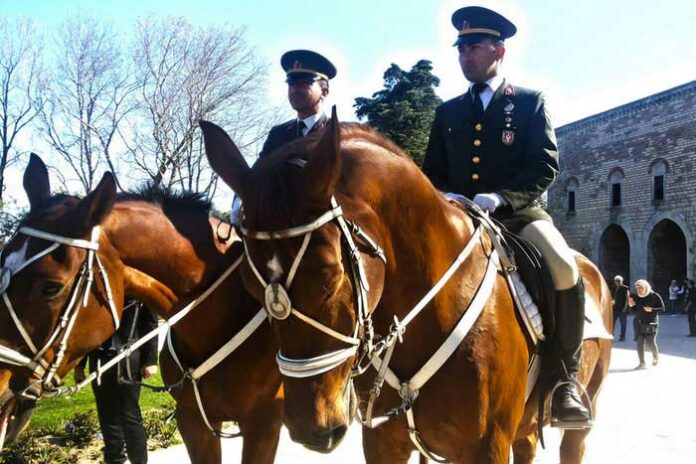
(573,425)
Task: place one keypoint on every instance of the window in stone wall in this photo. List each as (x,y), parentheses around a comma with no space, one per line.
(615,178)
(571,188)
(658,171)
(571,202)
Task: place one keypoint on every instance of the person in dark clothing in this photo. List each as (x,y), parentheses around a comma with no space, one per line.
(117,402)
(620,304)
(691,308)
(647,305)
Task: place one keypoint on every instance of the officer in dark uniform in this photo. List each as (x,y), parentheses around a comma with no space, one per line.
(495,145)
(116,395)
(308,75)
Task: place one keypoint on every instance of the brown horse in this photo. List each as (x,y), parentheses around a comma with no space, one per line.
(301,260)
(163,250)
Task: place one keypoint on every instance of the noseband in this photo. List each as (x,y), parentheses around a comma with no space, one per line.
(279,306)
(46,371)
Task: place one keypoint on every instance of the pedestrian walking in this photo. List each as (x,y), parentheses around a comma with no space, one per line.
(647,305)
(620,304)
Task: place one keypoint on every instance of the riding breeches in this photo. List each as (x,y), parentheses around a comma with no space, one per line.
(558,255)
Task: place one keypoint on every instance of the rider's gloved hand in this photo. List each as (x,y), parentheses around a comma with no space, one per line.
(489,201)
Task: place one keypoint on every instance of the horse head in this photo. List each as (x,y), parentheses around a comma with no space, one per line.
(311,269)
(57,301)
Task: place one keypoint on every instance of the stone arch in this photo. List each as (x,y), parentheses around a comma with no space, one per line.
(614,253)
(599,229)
(668,251)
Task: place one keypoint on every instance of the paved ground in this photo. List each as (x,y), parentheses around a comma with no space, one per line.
(643,416)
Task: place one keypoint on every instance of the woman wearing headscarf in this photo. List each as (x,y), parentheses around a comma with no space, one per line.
(646,304)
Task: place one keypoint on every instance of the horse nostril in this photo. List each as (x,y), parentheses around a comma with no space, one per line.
(338,433)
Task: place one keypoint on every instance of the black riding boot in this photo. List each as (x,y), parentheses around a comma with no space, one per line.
(567,408)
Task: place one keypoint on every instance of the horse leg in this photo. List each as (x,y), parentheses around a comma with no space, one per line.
(203,447)
(573,446)
(387,443)
(524,449)
(261,432)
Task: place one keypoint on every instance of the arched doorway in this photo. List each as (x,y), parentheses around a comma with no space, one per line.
(614,254)
(666,256)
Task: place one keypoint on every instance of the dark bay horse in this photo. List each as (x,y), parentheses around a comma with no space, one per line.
(163,250)
(301,206)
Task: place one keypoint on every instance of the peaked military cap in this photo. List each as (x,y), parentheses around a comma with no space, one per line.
(475,23)
(306,64)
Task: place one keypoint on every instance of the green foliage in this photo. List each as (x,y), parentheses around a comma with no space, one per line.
(161,428)
(33,448)
(404,110)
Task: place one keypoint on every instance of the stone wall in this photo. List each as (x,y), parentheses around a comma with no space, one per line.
(625,143)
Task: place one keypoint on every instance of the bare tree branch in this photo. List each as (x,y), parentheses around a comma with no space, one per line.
(89,98)
(20,86)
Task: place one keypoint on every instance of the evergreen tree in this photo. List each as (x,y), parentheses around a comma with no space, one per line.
(405,108)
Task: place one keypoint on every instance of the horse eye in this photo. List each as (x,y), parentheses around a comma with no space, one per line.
(51,289)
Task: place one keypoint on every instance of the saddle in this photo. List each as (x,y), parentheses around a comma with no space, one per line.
(528,275)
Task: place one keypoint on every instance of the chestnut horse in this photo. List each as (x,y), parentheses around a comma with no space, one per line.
(325,285)
(163,250)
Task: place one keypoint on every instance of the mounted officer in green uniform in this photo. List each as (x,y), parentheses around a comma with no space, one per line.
(495,145)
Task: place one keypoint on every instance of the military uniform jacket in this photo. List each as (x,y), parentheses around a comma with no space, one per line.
(287,132)
(511,151)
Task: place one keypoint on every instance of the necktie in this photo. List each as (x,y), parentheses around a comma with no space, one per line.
(301,126)
(478,103)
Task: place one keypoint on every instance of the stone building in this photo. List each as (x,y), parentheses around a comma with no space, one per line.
(626,194)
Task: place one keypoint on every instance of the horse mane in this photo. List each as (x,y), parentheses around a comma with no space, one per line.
(167,198)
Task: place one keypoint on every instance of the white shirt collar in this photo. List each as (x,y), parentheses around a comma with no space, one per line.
(310,122)
(493,83)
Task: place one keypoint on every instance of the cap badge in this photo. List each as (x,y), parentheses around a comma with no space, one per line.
(465,25)
(296,64)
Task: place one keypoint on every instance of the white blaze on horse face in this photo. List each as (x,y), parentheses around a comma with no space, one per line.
(275,268)
(16,259)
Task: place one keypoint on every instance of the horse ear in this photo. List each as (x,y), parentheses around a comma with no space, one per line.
(224,156)
(36,182)
(94,208)
(324,162)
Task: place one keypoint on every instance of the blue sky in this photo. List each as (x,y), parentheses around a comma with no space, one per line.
(587,56)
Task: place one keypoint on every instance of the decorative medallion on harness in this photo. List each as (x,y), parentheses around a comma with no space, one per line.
(278,302)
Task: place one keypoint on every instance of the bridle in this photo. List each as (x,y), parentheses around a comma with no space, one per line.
(43,370)
(279,306)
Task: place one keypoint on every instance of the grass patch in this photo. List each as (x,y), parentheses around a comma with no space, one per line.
(50,413)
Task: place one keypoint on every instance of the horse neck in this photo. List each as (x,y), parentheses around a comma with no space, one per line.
(424,234)
(177,249)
